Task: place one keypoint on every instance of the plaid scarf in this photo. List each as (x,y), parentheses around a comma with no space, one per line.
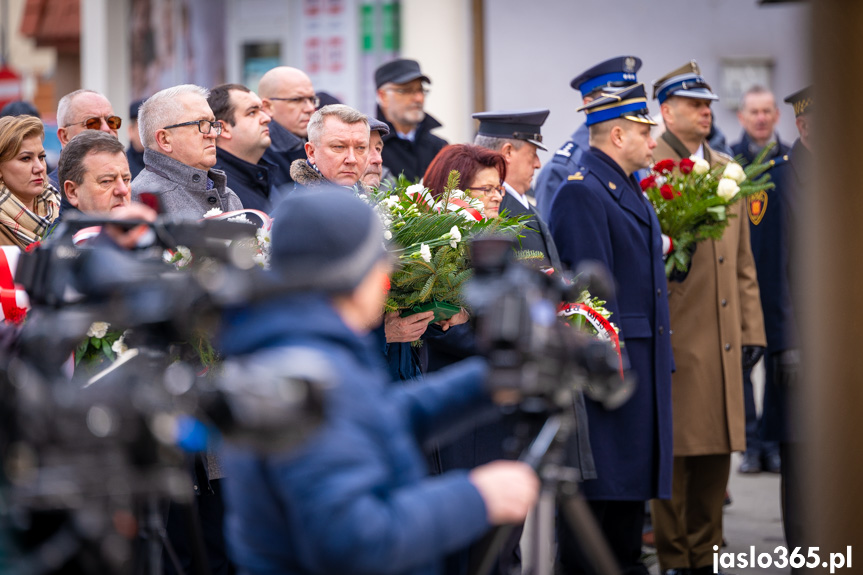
(27,226)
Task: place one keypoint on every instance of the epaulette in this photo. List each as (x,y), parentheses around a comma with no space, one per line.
(778,161)
(566,149)
(579,175)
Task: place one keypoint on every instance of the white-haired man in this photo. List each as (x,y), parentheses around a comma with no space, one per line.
(179,131)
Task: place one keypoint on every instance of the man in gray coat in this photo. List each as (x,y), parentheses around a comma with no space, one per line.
(179,133)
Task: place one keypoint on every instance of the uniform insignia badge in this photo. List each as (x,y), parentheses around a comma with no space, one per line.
(612,186)
(565,150)
(629,64)
(756,206)
(576,176)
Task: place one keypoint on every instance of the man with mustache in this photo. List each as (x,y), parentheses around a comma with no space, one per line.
(410,146)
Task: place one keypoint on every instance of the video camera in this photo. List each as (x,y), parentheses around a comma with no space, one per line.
(533,355)
(97,450)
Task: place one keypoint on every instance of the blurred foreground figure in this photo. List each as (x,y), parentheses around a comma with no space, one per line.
(355,498)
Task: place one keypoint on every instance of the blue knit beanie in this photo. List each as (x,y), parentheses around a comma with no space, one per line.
(324,240)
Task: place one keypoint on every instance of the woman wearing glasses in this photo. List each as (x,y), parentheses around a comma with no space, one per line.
(481,172)
(28,203)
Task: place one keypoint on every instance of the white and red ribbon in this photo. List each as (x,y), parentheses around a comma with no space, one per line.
(597,320)
(266,222)
(461,204)
(667,245)
(13,298)
(85,234)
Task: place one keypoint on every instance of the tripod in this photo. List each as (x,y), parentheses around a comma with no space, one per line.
(546,455)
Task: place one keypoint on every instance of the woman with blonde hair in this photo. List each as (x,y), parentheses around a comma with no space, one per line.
(28,202)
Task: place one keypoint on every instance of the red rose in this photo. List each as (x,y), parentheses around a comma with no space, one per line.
(664,166)
(16,315)
(647,183)
(32,246)
(686,166)
(667,192)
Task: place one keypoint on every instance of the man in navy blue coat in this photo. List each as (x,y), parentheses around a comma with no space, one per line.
(758,115)
(610,74)
(600,214)
(356,496)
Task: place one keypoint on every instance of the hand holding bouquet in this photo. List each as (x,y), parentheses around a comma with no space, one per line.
(691,200)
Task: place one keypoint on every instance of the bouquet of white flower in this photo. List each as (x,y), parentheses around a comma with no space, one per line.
(430,234)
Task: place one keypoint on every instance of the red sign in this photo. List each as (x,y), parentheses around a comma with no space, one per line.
(10,86)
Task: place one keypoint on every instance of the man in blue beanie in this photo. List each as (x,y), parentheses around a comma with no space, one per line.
(356,496)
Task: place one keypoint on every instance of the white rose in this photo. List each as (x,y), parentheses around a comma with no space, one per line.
(727,189)
(734,172)
(457,194)
(388,235)
(213,212)
(98,329)
(415,189)
(701,166)
(119,346)
(454,236)
(425,252)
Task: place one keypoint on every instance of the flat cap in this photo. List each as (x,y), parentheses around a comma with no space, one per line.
(685,81)
(376,125)
(616,72)
(519,124)
(399,71)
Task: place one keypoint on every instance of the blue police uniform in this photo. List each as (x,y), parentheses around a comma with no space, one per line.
(600,214)
(609,74)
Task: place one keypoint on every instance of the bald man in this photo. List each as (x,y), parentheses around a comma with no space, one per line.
(83,110)
(289,98)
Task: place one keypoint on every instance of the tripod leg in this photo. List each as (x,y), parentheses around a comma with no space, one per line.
(540,561)
(589,535)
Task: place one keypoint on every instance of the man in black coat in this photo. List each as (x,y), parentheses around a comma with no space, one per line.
(516,135)
(410,146)
(774,243)
(290,100)
(242,144)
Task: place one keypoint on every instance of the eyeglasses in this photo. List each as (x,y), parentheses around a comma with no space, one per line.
(410,91)
(488,191)
(94,123)
(204,126)
(313,100)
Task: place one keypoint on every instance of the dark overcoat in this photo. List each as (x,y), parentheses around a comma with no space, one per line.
(600,214)
(536,237)
(407,157)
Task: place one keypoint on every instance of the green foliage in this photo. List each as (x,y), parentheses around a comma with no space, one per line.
(430,237)
(695,212)
(95,351)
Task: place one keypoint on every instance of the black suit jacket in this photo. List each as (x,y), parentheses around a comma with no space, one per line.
(536,236)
